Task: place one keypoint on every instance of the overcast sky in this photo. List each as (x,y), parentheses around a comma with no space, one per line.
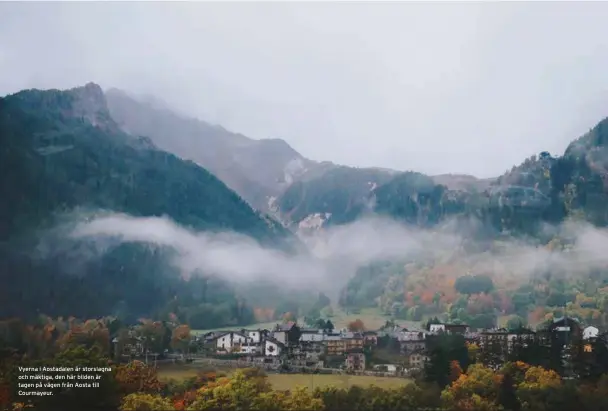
(432,87)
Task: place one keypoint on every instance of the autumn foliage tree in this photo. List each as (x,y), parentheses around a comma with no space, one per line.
(137,377)
(145,402)
(264,314)
(356,326)
(455,371)
(288,317)
(537,388)
(153,335)
(180,338)
(475,390)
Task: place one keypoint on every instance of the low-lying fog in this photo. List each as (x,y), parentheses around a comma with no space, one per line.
(334,253)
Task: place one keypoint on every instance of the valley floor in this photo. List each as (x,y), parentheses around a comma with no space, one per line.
(290,381)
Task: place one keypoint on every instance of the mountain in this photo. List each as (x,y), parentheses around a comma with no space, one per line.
(256,169)
(526,266)
(62,152)
(81,151)
(306,195)
(268,173)
(543,189)
(336,196)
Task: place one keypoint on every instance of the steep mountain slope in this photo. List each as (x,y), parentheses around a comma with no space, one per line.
(416,199)
(542,189)
(256,169)
(338,195)
(585,167)
(543,273)
(61,151)
(268,173)
(343,194)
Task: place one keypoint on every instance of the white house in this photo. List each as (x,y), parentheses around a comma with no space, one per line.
(272,347)
(391,368)
(280,336)
(283,331)
(411,335)
(316,335)
(250,348)
(435,328)
(590,332)
(226,341)
(254,335)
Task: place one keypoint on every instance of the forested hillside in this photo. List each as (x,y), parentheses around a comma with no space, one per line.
(543,189)
(62,153)
(341,193)
(63,156)
(534,253)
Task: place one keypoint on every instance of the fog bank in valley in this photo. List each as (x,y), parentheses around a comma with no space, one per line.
(335,253)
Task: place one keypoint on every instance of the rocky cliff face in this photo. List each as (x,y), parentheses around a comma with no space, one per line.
(90,104)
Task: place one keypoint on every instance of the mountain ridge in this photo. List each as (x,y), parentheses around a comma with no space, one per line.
(264,172)
(256,169)
(62,152)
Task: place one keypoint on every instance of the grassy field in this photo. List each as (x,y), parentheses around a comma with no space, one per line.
(269,326)
(289,381)
(371,317)
(177,372)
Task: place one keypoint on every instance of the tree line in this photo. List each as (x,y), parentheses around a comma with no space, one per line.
(459,375)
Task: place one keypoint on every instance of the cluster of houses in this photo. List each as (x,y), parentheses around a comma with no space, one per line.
(302,346)
(288,344)
(320,348)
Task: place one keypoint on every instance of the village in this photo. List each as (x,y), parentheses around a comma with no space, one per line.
(390,351)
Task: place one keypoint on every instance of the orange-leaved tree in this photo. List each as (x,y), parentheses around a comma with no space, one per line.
(356,326)
(455,371)
(137,377)
(181,337)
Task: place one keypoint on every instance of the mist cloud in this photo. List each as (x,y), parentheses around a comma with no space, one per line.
(335,253)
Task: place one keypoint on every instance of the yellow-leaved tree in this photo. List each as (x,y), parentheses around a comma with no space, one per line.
(477,390)
(537,387)
(145,402)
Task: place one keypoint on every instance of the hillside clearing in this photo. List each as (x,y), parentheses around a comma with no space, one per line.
(373,319)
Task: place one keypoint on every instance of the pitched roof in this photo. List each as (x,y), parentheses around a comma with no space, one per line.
(522,330)
(332,337)
(310,330)
(560,319)
(218,335)
(287,326)
(456,325)
(275,341)
(351,335)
